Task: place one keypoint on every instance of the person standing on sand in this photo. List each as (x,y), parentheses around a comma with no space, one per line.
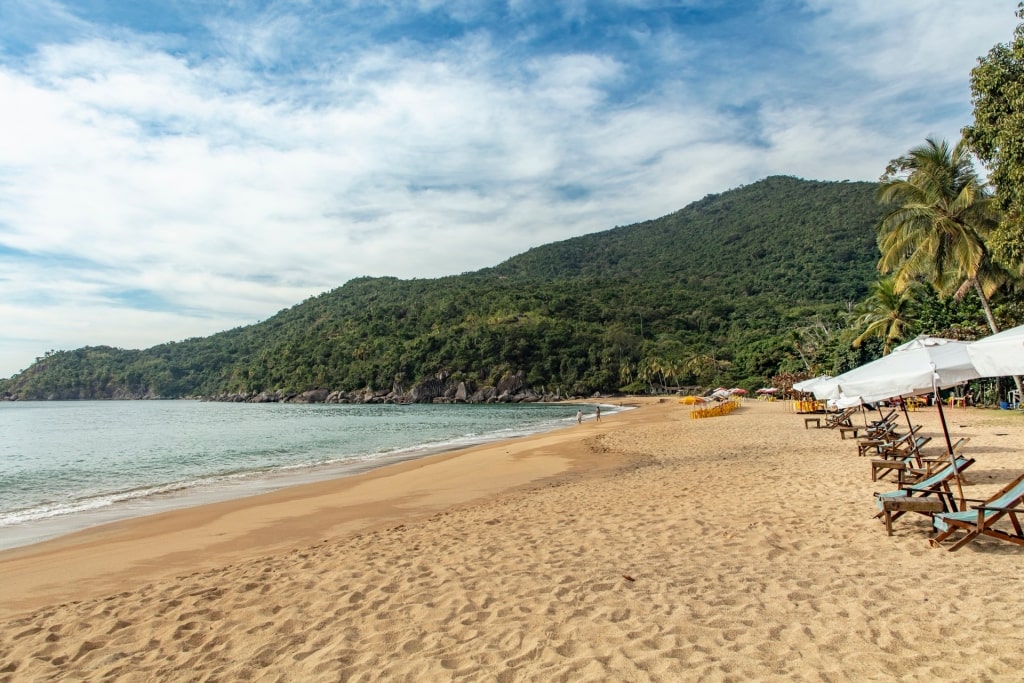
(579,416)
(599,413)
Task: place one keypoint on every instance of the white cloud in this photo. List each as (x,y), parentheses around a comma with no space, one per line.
(230,191)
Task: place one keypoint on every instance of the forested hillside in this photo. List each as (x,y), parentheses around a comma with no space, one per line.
(713,293)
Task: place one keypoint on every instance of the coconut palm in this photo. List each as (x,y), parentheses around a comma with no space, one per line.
(937,229)
(936,232)
(886,313)
(704,367)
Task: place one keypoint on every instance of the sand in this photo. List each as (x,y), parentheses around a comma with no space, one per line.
(646,547)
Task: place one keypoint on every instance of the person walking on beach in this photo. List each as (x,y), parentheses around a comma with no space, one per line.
(579,416)
(599,413)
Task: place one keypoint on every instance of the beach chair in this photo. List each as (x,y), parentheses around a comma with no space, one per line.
(886,418)
(980,519)
(904,457)
(891,443)
(929,496)
(874,434)
(882,429)
(876,424)
(929,463)
(841,419)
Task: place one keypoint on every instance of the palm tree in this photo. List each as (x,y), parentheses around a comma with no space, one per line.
(936,232)
(647,370)
(886,313)
(702,366)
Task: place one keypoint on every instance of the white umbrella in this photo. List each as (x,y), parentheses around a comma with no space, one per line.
(999,355)
(848,402)
(808,385)
(827,389)
(921,365)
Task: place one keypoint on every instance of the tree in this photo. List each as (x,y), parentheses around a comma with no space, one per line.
(886,314)
(997,92)
(937,229)
(943,214)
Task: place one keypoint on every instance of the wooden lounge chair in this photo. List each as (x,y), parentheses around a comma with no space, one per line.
(901,458)
(876,433)
(891,443)
(929,463)
(887,418)
(840,419)
(880,424)
(980,520)
(929,496)
(884,429)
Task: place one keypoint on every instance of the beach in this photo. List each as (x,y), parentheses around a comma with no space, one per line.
(644,547)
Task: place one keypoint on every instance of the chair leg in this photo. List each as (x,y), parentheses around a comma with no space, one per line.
(970,536)
(936,541)
(1016,523)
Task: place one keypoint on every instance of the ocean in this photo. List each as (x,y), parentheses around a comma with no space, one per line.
(70,465)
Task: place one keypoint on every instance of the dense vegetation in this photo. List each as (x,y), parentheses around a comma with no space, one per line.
(730,290)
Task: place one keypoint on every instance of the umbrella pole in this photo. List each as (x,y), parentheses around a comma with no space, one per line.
(906,413)
(910,428)
(949,448)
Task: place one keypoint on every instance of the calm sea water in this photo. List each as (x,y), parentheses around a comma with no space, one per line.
(69,465)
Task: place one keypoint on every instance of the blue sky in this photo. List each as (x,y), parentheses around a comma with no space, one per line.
(173,169)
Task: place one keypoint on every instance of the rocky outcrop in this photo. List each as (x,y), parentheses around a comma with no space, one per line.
(428,391)
(509,385)
(312,396)
(512,388)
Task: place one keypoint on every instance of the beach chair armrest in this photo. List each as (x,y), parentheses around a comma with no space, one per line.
(992,508)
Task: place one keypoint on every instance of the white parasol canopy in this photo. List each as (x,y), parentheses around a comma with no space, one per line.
(919,366)
(827,389)
(999,355)
(808,385)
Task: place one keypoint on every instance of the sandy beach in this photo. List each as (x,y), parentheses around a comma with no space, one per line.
(645,547)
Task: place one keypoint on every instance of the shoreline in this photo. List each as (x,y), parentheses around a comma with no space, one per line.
(166,497)
(646,547)
(160,543)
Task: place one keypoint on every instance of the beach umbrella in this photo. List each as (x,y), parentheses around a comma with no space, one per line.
(845,402)
(999,355)
(921,365)
(767,390)
(741,392)
(691,400)
(912,368)
(807,385)
(826,389)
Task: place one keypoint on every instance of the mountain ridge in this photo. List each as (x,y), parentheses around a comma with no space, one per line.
(726,276)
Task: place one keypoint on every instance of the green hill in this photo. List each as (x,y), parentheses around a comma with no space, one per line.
(727,278)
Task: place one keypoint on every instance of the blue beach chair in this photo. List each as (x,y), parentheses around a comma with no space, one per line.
(929,496)
(980,519)
(903,457)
